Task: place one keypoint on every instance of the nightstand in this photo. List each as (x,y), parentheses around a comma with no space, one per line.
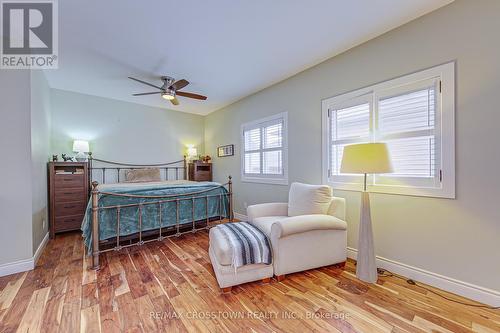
(199,171)
(68,195)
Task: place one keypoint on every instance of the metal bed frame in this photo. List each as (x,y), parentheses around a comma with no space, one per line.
(162,232)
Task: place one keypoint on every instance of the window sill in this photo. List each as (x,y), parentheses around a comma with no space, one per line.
(272,181)
(398,190)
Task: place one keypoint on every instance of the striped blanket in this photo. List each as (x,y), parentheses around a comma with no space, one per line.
(249,244)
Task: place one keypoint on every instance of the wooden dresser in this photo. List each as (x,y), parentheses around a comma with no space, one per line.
(68,195)
(199,171)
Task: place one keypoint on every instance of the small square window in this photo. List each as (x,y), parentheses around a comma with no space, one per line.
(264,158)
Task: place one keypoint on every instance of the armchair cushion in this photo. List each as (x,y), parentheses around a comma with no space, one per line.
(267,209)
(305,199)
(281,226)
(265,223)
(304,223)
(337,208)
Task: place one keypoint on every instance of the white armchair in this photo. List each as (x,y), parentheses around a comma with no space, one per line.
(307,232)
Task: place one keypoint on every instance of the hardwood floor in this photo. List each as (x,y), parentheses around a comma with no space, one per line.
(170,287)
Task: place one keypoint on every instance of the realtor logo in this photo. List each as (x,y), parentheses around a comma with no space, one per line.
(29,34)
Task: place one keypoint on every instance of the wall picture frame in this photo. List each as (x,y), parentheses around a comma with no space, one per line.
(224,151)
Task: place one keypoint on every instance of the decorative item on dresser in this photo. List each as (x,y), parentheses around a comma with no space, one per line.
(199,171)
(68,195)
(67,158)
(206,158)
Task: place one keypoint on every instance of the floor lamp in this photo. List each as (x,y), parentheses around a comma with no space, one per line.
(366,158)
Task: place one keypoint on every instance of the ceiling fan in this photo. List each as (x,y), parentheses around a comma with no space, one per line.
(169,89)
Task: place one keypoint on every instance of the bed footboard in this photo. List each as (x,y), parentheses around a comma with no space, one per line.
(159,201)
(95,226)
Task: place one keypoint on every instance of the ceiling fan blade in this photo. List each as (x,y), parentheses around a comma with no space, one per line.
(175,101)
(191,95)
(149,93)
(177,85)
(144,82)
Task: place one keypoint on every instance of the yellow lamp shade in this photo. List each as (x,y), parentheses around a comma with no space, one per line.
(191,151)
(366,158)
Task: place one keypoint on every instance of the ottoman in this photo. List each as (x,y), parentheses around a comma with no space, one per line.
(220,253)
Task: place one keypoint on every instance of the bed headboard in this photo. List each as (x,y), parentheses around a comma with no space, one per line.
(104,171)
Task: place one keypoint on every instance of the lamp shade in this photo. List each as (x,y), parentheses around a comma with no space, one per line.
(80,146)
(192,151)
(366,158)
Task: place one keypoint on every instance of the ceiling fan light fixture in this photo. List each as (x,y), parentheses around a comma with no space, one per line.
(168,96)
(170,89)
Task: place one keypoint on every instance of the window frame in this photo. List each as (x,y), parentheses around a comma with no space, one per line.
(263,178)
(445,126)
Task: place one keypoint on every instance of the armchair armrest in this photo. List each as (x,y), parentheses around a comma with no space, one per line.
(267,209)
(303,223)
(337,208)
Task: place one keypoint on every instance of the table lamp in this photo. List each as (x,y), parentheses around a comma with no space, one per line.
(192,152)
(366,158)
(81,147)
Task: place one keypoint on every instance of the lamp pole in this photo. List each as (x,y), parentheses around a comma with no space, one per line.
(366,268)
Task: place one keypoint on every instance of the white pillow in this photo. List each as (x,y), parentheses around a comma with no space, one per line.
(305,199)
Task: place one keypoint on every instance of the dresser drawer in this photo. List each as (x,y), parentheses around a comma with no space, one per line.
(66,181)
(70,194)
(68,223)
(203,176)
(69,208)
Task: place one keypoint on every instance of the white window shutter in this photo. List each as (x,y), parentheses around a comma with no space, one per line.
(406,122)
(252,139)
(407,112)
(351,122)
(264,144)
(348,125)
(272,137)
(252,163)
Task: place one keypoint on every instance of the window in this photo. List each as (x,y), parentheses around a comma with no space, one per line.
(264,157)
(414,115)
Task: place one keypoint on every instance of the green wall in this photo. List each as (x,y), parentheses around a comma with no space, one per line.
(122,131)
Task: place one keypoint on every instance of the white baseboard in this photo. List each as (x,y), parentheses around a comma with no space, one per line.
(465,289)
(25,264)
(39,251)
(240,217)
(16,267)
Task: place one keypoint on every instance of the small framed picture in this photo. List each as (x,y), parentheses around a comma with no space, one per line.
(227,150)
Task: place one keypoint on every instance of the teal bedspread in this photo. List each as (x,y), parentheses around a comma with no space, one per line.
(129,216)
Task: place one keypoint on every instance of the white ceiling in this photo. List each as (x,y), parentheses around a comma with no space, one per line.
(227,49)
